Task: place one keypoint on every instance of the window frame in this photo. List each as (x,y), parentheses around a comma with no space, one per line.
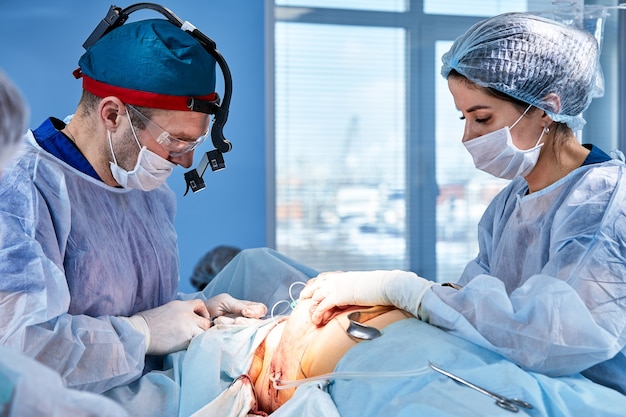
(422,32)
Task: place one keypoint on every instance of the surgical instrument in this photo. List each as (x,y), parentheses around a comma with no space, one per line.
(506,403)
(361,331)
(328,379)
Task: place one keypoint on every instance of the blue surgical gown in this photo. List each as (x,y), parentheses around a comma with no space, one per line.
(66,273)
(547,289)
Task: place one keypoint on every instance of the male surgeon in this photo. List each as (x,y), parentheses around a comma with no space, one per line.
(88,250)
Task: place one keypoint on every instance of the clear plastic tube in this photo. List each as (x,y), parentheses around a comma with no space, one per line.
(292,303)
(280,385)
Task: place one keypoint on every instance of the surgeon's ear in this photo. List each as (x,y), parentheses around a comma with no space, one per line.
(109,111)
(546,119)
(552,103)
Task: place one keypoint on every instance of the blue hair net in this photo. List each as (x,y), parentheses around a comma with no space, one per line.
(529,57)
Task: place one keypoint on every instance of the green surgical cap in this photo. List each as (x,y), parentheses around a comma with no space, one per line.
(528,57)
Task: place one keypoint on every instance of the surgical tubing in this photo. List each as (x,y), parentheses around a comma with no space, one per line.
(293,302)
(280,385)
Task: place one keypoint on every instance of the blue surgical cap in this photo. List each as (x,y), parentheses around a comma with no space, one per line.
(151,63)
(528,57)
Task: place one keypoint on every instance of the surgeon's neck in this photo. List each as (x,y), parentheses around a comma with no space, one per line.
(554,164)
(90,139)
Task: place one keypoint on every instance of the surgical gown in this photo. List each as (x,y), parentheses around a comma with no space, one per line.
(30,389)
(66,273)
(547,289)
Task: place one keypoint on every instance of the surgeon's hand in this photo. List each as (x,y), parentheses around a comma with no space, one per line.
(332,291)
(170,327)
(225,304)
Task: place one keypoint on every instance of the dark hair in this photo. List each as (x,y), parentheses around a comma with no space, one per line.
(89,102)
(211,264)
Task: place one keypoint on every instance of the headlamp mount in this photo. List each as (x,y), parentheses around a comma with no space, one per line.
(116,17)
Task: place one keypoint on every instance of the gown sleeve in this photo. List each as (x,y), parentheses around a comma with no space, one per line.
(568,312)
(91,353)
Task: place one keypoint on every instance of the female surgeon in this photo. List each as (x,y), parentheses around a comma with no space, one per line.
(547,287)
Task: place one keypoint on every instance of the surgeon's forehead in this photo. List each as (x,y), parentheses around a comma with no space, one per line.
(469,97)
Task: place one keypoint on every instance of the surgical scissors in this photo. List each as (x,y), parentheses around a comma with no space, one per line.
(510,404)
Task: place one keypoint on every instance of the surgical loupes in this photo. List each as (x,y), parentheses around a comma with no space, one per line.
(510,404)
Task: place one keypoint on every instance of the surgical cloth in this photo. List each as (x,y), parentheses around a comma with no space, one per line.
(547,287)
(219,356)
(410,344)
(150,63)
(529,57)
(28,388)
(75,253)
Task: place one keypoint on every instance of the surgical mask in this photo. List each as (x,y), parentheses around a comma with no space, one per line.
(149,172)
(496,154)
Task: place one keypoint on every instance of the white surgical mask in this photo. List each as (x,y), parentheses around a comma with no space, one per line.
(149,172)
(496,154)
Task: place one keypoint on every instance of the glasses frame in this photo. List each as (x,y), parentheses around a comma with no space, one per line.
(173,145)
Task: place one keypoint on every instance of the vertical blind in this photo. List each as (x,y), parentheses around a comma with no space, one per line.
(340,139)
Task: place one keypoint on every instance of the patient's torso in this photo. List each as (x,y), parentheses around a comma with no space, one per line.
(297,349)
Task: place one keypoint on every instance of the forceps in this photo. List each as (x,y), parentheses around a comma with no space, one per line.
(506,403)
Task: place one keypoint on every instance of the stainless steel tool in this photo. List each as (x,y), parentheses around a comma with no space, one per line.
(510,404)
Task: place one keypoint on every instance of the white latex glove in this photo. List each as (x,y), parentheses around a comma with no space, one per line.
(333,290)
(223,304)
(170,327)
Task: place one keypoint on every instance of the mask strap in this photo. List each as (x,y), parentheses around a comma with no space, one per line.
(111,147)
(132,128)
(520,118)
(543,131)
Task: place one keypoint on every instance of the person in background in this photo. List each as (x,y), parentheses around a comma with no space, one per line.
(547,287)
(14,118)
(211,264)
(88,254)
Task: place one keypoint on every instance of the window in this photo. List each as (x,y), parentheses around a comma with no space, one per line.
(473,8)
(340,145)
(385,5)
(370,170)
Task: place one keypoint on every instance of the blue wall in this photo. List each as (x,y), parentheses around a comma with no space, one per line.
(40,44)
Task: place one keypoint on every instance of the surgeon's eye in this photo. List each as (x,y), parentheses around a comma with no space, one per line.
(483,120)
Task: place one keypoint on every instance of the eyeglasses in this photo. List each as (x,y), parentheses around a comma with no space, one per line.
(175,146)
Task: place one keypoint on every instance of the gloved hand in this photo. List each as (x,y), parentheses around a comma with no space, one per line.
(333,290)
(170,327)
(223,304)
